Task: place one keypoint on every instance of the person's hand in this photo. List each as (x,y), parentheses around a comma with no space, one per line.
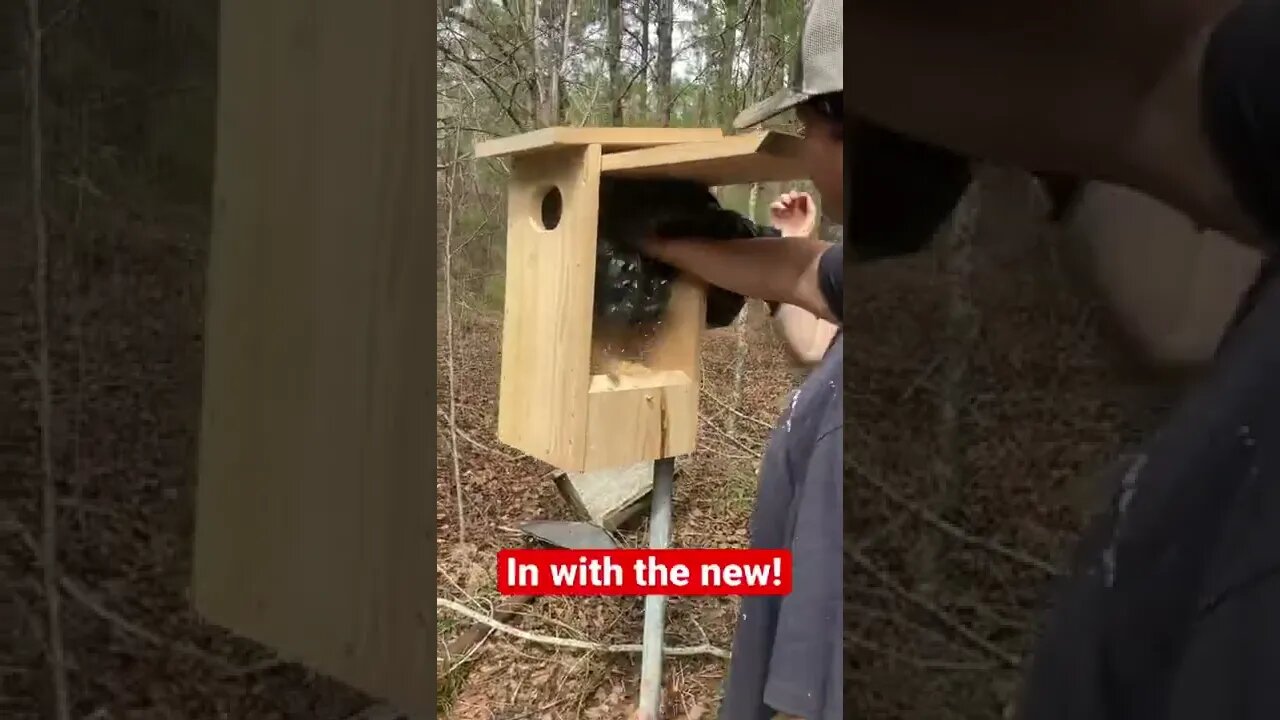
(794,214)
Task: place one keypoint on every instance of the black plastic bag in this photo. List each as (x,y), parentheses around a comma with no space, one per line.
(899,191)
(632,289)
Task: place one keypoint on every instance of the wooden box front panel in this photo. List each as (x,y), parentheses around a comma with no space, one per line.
(546,332)
(652,413)
(554,404)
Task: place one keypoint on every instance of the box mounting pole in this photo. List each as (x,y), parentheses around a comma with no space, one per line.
(655,606)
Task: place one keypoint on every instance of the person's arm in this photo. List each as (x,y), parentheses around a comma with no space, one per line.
(781,270)
(805,335)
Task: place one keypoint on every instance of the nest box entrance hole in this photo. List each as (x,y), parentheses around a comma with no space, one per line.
(550,208)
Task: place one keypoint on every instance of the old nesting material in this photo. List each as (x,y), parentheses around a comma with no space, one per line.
(633,290)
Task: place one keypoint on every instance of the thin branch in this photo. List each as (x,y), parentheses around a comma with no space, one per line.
(937,613)
(475,443)
(440,125)
(957,532)
(877,616)
(448,310)
(737,412)
(484,224)
(86,599)
(548,706)
(49,490)
(467,612)
(920,663)
(641,69)
(728,456)
(82,595)
(470,640)
(493,89)
(741,445)
(449,165)
(921,378)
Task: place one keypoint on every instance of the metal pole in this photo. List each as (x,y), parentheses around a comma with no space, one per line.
(655,606)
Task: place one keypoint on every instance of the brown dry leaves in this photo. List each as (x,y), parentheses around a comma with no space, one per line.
(127,311)
(1045,408)
(507,678)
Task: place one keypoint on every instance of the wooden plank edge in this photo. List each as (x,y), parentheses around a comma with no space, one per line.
(607,137)
(771,155)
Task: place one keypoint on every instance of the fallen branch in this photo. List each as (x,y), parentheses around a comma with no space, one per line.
(737,412)
(86,599)
(921,378)
(82,595)
(544,708)
(920,663)
(475,443)
(449,165)
(729,456)
(959,533)
(483,619)
(937,613)
(741,445)
(226,669)
(465,644)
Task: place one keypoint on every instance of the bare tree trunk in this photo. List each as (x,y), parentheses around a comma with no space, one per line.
(556,99)
(49,490)
(642,101)
(754,90)
(772,43)
(757,77)
(728,53)
(753,39)
(616,87)
(740,335)
(663,82)
(537,94)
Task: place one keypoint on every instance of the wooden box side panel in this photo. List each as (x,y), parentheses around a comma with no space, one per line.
(634,424)
(546,335)
(315,476)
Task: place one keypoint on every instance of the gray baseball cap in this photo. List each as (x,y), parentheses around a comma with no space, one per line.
(819,64)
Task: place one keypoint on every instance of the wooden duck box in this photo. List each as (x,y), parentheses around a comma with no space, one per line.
(568,396)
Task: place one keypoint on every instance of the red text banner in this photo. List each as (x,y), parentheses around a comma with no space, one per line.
(644,572)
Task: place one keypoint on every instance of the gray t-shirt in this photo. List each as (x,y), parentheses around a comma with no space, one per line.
(788,651)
